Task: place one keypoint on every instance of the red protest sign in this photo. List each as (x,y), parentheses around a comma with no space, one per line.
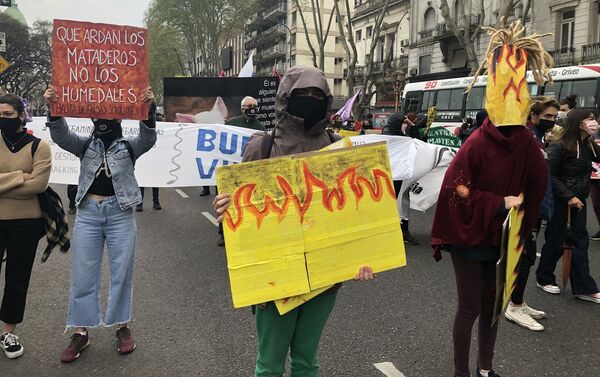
(99,70)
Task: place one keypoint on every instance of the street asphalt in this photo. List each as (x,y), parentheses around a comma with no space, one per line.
(185,324)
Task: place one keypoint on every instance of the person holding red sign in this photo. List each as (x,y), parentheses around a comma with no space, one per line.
(107,194)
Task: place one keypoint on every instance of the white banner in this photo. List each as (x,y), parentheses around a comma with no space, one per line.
(184,155)
(188,155)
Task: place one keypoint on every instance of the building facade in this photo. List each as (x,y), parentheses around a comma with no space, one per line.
(575,25)
(277,39)
(390,53)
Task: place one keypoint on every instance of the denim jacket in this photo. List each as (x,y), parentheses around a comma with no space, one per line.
(121,166)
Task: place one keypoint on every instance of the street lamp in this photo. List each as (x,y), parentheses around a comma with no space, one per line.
(396,94)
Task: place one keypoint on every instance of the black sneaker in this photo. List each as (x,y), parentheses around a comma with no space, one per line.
(595,236)
(491,373)
(157,206)
(11,345)
(139,208)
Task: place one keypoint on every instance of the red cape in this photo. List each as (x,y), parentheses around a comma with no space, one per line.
(488,167)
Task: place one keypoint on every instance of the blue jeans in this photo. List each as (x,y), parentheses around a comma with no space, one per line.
(96,223)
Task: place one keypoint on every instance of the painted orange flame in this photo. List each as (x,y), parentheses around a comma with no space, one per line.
(507,95)
(242,198)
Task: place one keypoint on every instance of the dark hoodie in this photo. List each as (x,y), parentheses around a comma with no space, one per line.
(494,164)
(394,125)
(290,135)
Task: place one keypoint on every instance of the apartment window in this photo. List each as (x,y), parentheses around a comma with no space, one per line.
(337,87)
(391,43)
(358,35)
(424,64)
(337,40)
(381,49)
(294,19)
(293,39)
(430,20)
(369,31)
(567,27)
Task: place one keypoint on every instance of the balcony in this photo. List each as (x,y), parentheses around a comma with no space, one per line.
(271,34)
(471,21)
(250,40)
(563,57)
(590,53)
(275,12)
(427,35)
(272,53)
(369,6)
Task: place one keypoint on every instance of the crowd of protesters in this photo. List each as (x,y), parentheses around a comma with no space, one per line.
(556,170)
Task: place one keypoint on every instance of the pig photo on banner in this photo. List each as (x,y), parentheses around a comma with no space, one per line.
(99,70)
(215,100)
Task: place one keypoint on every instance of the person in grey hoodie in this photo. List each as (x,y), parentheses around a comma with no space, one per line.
(302,106)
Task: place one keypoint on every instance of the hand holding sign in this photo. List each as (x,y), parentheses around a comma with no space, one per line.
(50,96)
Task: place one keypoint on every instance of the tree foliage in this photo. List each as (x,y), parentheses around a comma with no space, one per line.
(28,50)
(344,17)
(196,30)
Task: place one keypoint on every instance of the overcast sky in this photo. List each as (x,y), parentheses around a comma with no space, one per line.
(120,12)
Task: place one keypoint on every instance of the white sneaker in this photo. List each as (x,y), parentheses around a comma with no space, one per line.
(10,344)
(550,288)
(518,315)
(589,298)
(535,314)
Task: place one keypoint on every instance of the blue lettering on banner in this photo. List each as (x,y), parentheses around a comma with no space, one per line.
(211,170)
(223,143)
(206,140)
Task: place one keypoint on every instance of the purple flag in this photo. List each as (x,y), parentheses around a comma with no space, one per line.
(346,111)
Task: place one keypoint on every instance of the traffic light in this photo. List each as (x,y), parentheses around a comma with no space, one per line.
(5,3)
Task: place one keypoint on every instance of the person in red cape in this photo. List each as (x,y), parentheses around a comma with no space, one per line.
(496,169)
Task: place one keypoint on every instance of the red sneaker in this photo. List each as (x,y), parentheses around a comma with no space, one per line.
(78,343)
(126,342)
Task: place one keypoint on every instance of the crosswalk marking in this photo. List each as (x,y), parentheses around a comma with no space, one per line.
(181,193)
(388,369)
(211,218)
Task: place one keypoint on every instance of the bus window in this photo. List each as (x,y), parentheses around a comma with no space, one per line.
(534,89)
(412,101)
(450,99)
(553,90)
(476,99)
(585,90)
(427,101)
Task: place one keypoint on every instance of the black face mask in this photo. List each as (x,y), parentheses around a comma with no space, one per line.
(107,130)
(545,125)
(9,126)
(311,109)
(251,112)
(106,127)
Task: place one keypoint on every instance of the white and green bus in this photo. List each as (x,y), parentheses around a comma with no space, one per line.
(454,106)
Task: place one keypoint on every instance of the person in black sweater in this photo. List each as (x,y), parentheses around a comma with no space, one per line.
(570,164)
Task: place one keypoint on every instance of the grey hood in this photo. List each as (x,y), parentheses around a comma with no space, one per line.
(290,135)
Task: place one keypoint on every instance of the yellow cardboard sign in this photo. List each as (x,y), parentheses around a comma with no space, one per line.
(514,250)
(4,64)
(506,267)
(301,223)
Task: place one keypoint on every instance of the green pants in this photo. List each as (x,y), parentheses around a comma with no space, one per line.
(298,331)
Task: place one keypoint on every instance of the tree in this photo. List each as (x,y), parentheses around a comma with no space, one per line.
(166,56)
(28,51)
(347,39)
(202,27)
(461,26)
(321,33)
